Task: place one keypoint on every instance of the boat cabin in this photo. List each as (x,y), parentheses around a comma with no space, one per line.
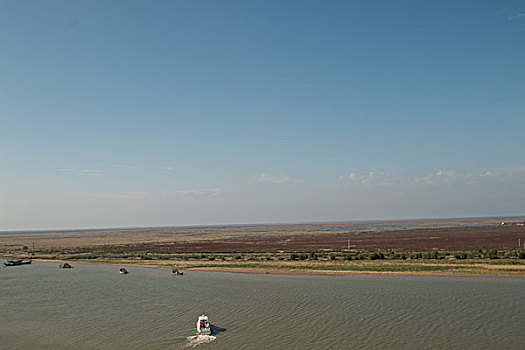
(203,325)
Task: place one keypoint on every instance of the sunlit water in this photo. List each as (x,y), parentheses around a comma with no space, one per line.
(94,307)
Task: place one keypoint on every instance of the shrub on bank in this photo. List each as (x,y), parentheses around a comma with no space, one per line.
(89,256)
(461,255)
(493,254)
(376,256)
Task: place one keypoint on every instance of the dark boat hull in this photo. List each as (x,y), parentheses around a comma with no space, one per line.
(17,262)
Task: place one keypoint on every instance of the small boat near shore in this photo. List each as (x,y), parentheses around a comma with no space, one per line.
(65,266)
(203,325)
(123,271)
(177,272)
(17,262)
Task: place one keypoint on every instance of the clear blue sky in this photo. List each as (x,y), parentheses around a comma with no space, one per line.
(140,113)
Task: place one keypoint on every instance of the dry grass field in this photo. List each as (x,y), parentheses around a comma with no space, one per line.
(469,246)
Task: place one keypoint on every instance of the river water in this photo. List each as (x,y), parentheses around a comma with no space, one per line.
(94,307)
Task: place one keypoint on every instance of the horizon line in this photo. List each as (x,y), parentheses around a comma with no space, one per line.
(195,226)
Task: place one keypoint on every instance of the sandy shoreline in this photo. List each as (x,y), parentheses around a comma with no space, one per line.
(341,273)
(270,271)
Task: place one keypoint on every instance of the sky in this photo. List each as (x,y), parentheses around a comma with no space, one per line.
(189,112)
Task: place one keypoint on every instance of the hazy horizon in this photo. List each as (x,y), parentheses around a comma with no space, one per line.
(299,223)
(178,113)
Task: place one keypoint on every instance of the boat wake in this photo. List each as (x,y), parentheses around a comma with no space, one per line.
(197,340)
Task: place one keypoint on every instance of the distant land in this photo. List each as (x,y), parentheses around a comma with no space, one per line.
(475,246)
(374,224)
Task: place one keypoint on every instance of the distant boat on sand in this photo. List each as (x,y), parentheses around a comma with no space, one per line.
(17,262)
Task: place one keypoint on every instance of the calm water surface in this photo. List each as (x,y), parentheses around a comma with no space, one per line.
(94,307)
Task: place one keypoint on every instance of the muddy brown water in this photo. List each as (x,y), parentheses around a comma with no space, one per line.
(94,307)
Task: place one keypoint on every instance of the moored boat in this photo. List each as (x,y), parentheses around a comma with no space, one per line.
(123,271)
(203,325)
(177,272)
(65,266)
(17,262)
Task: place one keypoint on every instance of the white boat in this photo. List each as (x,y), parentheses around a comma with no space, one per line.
(203,325)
